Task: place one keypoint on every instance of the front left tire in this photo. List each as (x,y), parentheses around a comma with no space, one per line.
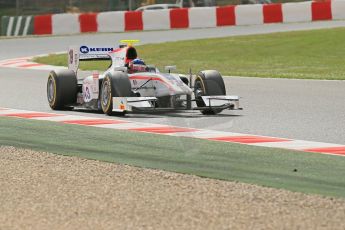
(115,84)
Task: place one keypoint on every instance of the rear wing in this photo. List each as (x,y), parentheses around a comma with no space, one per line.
(87,53)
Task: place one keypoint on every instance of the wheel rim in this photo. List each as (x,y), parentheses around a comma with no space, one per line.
(198,90)
(105,93)
(51,90)
(198,93)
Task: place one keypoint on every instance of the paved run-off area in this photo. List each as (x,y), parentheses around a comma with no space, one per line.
(47,191)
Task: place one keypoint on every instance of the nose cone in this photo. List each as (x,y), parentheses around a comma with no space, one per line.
(178,85)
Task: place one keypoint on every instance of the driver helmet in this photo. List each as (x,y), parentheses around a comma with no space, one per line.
(137,65)
(138,61)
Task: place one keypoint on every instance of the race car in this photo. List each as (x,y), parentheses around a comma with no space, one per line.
(129,85)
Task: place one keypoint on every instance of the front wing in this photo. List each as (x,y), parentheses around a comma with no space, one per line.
(147,104)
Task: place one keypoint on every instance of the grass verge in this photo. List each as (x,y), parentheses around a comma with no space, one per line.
(316,54)
(316,173)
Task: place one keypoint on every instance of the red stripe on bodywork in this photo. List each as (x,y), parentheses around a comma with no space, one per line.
(163,129)
(153,79)
(30,65)
(116,50)
(331,150)
(145,78)
(248,139)
(94,122)
(31,115)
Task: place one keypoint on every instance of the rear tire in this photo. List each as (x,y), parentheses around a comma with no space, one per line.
(115,84)
(62,89)
(208,83)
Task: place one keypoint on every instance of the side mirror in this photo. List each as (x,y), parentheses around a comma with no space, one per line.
(170,67)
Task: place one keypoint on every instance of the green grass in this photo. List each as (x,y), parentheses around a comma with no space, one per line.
(317,54)
(316,173)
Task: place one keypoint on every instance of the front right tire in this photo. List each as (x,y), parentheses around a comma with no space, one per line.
(208,83)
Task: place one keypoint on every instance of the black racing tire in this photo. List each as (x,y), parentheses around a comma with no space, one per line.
(115,84)
(208,83)
(62,89)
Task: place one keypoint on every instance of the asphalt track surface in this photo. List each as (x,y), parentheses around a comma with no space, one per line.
(297,109)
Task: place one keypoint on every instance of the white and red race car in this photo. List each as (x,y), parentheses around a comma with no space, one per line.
(127,87)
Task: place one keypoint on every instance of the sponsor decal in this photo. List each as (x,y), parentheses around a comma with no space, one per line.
(95,84)
(86,49)
(122,106)
(87,94)
(119,58)
(71,56)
